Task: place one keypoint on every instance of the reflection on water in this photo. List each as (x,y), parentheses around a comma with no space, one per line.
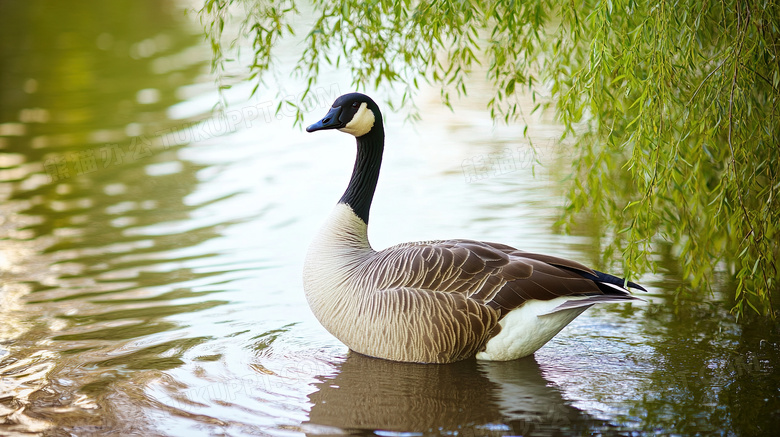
(401,397)
(150,262)
(468,398)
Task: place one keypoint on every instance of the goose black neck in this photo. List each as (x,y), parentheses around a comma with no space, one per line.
(360,191)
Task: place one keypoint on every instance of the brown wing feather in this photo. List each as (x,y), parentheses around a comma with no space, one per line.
(442,300)
(492,274)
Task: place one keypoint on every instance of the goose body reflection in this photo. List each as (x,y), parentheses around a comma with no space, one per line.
(434,301)
(469,397)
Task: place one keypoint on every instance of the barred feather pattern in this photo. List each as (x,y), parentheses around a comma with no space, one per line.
(431,301)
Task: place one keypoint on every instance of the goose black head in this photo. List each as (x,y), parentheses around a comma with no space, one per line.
(353,113)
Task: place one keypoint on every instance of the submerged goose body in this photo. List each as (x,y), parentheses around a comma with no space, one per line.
(434,301)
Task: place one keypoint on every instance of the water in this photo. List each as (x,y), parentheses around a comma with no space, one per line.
(150,263)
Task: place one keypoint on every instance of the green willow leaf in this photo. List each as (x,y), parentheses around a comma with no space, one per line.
(673,107)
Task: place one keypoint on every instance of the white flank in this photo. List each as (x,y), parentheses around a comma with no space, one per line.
(361,123)
(526,329)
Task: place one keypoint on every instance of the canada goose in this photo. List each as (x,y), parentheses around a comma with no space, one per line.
(434,301)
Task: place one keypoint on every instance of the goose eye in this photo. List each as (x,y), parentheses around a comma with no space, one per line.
(354,104)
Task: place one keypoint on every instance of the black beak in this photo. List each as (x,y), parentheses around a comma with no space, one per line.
(330,121)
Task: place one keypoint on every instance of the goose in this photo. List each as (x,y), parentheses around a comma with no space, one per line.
(434,301)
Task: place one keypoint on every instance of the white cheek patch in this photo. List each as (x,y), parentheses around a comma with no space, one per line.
(361,123)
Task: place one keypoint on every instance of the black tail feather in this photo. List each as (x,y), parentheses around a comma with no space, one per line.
(601,278)
(610,279)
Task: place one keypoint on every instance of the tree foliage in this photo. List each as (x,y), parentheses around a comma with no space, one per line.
(673,105)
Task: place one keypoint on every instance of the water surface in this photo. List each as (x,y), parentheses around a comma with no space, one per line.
(151,255)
